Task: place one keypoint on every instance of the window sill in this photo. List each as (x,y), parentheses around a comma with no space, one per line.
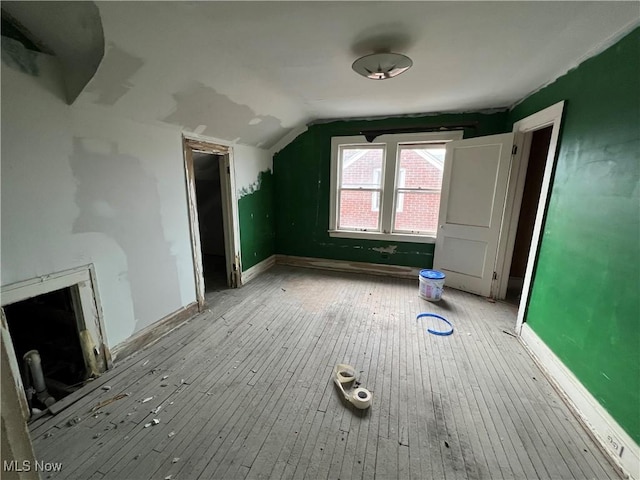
(394,237)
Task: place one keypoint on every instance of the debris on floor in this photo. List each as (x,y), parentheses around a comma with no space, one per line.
(171,434)
(157,409)
(155,421)
(148,399)
(107,402)
(73,421)
(359,397)
(510,333)
(175,460)
(106,387)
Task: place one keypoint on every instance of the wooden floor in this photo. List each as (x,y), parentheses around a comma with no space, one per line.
(248,393)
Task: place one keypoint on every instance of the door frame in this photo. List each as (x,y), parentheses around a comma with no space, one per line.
(523,132)
(231,228)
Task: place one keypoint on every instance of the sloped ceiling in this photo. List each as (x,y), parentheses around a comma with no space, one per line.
(252,71)
(70,30)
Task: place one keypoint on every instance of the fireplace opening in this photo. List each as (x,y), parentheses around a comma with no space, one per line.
(48,324)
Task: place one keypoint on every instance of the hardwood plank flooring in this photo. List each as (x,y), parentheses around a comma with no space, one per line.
(244,390)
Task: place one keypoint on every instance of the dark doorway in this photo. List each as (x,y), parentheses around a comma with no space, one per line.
(48,323)
(206,169)
(533,183)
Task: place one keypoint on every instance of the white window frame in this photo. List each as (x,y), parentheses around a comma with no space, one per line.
(402,181)
(375,200)
(389,166)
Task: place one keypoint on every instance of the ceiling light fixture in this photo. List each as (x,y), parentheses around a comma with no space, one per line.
(383,65)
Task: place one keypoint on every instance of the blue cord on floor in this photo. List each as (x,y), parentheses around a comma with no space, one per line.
(436,332)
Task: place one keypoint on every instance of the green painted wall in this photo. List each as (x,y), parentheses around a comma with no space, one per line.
(585,301)
(256,217)
(302,173)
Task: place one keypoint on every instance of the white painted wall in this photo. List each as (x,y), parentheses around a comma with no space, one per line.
(249,162)
(81,185)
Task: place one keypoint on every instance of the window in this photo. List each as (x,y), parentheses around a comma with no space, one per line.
(358,187)
(387,189)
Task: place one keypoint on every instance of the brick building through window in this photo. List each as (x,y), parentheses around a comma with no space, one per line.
(417,185)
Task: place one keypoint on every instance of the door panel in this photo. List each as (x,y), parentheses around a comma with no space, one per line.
(473,195)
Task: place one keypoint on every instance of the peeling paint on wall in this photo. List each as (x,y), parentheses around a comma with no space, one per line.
(112,80)
(253,187)
(16,56)
(202,106)
(257,222)
(117,197)
(391,249)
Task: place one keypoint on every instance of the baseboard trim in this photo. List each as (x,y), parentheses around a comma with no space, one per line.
(154,332)
(604,429)
(348,266)
(252,272)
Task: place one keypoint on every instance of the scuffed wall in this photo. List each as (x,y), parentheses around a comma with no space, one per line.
(80,186)
(257,221)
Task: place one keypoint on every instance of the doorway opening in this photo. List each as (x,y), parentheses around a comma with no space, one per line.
(540,141)
(534,157)
(207,168)
(213,216)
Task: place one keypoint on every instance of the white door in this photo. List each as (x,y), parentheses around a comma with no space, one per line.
(474,186)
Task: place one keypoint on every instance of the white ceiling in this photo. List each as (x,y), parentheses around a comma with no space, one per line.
(252,71)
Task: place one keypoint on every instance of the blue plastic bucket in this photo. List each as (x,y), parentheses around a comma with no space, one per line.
(431,285)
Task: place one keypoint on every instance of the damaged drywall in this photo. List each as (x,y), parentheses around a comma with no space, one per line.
(113,78)
(72,31)
(114,190)
(16,56)
(391,249)
(203,110)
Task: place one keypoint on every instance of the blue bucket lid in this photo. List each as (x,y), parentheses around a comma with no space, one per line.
(432,274)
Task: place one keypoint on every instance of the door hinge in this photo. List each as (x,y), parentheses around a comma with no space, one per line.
(514,149)
(495,275)
(235,267)
(228,170)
